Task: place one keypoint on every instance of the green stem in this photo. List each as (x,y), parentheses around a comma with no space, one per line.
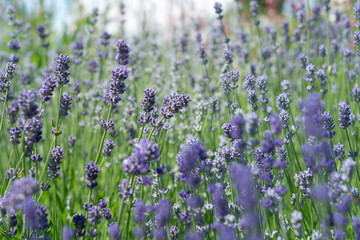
(153,129)
(8,165)
(104,135)
(3,112)
(142,129)
(47,160)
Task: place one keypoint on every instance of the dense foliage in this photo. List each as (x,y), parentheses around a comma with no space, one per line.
(233,130)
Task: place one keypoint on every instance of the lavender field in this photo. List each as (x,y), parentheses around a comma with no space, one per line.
(237,126)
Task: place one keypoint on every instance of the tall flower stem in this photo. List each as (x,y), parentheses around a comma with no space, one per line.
(347,135)
(142,128)
(104,135)
(8,165)
(129,207)
(153,129)
(3,112)
(58,114)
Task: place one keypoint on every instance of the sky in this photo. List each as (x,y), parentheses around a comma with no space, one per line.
(158,11)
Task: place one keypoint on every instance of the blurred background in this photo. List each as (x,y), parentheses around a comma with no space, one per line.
(131,17)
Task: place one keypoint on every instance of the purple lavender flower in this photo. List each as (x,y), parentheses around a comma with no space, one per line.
(163,215)
(41,218)
(27,104)
(79,221)
(322,50)
(356,94)
(275,124)
(191,156)
(347,54)
(47,89)
(13,45)
(313,119)
(357,38)
(92,171)
(123,50)
(283,101)
(356,11)
(219,200)
(12,111)
(125,189)
(261,83)
(339,151)
(296,221)
(218,10)
(15,135)
(149,100)
(93,66)
(317,155)
(225,84)
(202,53)
(42,31)
(65,104)
(174,231)
(252,99)
(183,42)
(105,37)
(117,85)
(12,224)
(36,158)
(108,148)
(246,197)
(310,73)
(13,220)
(9,70)
(67,233)
(249,82)
(32,129)
(62,69)
(345,117)
(18,192)
(303,60)
(329,125)
(139,161)
(344,204)
(77,50)
(56,155)
(356,226)
(139,212)
(173,103)
(228,56)
(114,231)
(94,215)
(106,214)
(266,53)
(254,8)
(71,143)
(304,180)
(235,129)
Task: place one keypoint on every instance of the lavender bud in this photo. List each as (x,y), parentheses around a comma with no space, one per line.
(92,171)
(62,69)
(108,148)
(65,105)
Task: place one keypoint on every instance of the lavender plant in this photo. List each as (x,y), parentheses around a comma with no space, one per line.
(109,134)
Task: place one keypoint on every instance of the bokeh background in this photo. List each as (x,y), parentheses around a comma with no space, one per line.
(161,16)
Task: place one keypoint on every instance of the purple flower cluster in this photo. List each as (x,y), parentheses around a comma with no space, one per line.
(117,85)
(143,154)
(173,103)
(123,50)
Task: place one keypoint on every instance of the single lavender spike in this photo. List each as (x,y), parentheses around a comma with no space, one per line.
(62,69)
(92,173)
(47,89)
